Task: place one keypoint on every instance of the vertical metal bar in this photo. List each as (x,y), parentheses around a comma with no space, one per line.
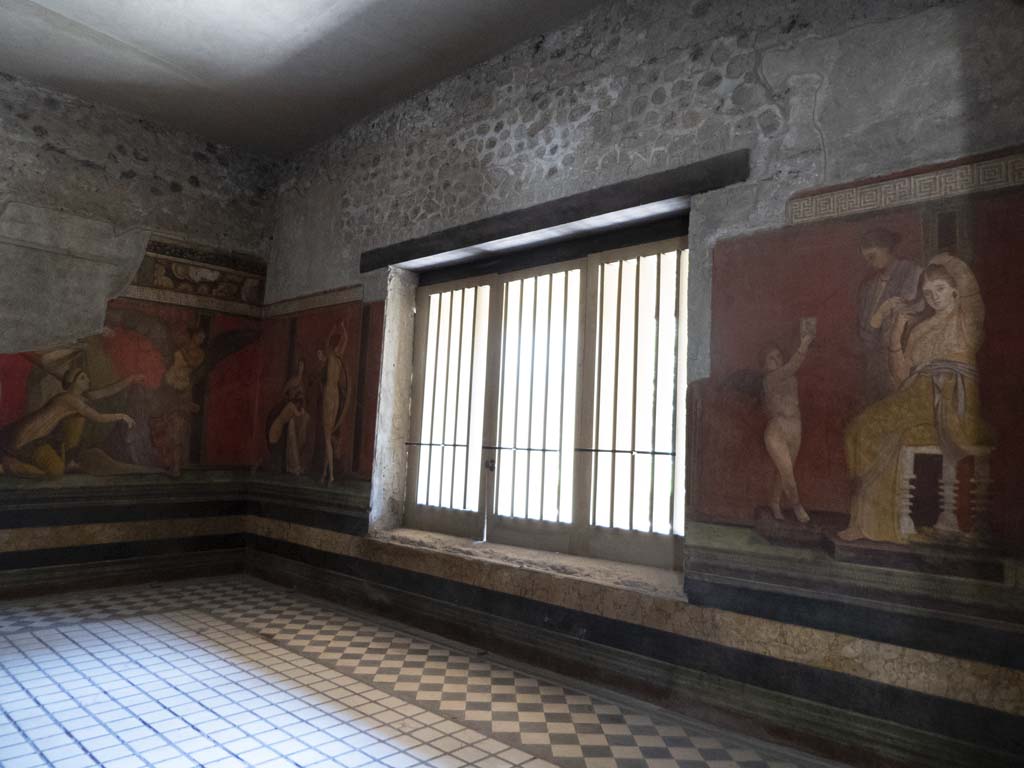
(547,386)
(519,375)
(636,353)
(583,454)
(433,398)
(599,333)
(458,393)
(529,410)
(561,388)
(447,382)
(501,404)
(561,385)
(675,401)
(615,393)
(491,394)
(469,405)
(657,370)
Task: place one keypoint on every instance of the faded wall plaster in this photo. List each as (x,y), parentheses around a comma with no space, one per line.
(59,271)
(86,168)
(821,93)
(60,152)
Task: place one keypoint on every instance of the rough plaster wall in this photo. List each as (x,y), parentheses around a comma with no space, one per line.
(60,152)
(821,92)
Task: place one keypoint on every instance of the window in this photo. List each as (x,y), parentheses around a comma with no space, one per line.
(548,404)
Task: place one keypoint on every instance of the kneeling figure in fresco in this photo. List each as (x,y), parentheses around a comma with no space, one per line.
(42,443)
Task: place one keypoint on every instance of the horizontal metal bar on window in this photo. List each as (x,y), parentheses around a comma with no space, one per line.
(513,448)
(626,451)
(437,445)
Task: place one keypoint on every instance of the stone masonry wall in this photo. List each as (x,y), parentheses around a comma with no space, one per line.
(61,152)
(821,92)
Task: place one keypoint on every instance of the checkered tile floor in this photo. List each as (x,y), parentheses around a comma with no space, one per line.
(234,672)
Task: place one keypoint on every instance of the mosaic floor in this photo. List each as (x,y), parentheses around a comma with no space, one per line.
(235,672)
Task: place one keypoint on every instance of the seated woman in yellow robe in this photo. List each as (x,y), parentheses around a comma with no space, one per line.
(937,402)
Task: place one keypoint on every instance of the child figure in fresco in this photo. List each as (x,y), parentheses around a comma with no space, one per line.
(781,402)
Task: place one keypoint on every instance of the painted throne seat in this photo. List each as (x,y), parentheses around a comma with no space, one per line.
(949,490)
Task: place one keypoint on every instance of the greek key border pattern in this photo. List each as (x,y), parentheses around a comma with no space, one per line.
(982,176)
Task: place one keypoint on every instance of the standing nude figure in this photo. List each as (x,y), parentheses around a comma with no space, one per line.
(781,402)
(331,411)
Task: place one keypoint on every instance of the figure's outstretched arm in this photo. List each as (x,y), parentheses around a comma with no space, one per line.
(791,366)
(101,418)
(101,393)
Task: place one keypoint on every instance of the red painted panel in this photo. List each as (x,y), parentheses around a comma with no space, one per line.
(14,373)
(231,399)
(373,341)
(764,284)
(762,287)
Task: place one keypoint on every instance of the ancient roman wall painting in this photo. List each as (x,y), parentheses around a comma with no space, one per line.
(866,376)
(155,393)
(188,375)
(318,392)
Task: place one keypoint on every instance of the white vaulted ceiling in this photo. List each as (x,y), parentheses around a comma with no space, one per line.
(275,75)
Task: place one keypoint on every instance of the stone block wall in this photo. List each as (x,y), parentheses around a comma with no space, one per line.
(60,152)
(820,92)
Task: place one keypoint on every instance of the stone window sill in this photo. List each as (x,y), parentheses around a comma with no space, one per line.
(658,582)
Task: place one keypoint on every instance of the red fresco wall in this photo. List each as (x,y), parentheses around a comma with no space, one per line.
(204,387)
(369,371)
(999,266)
(231,400)
(763,285)
(274,372)
(301,337)
(237,382)
(14,373)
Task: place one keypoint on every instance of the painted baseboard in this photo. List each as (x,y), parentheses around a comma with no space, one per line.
(830,731)
(27,582)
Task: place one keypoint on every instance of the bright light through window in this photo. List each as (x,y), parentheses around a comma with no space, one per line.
(554,397)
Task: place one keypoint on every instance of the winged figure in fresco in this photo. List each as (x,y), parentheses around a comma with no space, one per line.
(774,386)
(180,360)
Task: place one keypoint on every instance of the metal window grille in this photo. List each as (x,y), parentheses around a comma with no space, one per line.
(537,397)
(450,399)
(634,448)
(550,399)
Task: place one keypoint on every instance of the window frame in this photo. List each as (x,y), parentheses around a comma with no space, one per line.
(580,536)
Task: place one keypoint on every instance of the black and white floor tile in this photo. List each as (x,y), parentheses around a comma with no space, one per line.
(234,672)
